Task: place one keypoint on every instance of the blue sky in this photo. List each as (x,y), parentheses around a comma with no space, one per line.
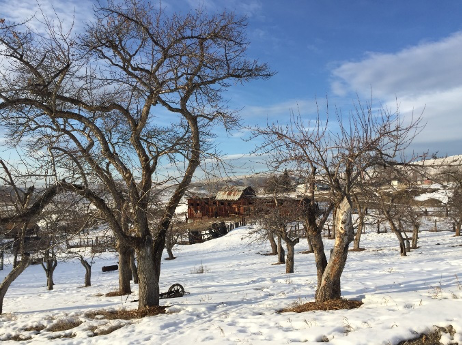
(405,50)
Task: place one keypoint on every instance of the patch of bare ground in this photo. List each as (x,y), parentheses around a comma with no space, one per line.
(126,314)
(17,337)
(356,250)
(335,304)
(432,338)
(35,328)
(115,294)
(63,325)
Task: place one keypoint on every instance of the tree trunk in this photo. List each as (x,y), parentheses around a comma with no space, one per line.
(359,231)
(402,244)
(15,272)
(274,246)
(334,216)
(329,287)
(87,267)
(290,254)
(148,277)
(170,253)
(319,254)
(125,272)
(49,264)
(415,236)
(281,252)
(310,246)
(458,226)
(133,267)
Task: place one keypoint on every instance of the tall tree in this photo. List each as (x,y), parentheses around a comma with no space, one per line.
(339,155)
(125,108)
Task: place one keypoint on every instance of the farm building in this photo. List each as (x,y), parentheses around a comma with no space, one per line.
(230,201)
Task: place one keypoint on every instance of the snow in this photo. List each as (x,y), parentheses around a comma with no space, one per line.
(237,298)
(441,194)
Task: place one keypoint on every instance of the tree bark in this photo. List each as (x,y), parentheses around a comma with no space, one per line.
(87,267)
(49,264)
(148,277)
(310,246)
(133,267)
(395,230)
(15,272)
(274,246)
(329,287)
(360,229)
(281,251)
(170,253)
(125,272)
(458,226)
(290,254)
(415,236)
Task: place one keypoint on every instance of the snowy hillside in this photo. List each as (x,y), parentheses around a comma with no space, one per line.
(237,297)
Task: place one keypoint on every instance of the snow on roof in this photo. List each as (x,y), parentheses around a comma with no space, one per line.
(234,192)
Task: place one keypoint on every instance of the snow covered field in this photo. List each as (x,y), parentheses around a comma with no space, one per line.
(236,299)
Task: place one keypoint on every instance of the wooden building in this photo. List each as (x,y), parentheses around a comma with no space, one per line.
(230,201)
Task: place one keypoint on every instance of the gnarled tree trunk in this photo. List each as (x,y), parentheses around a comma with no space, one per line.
(329,287)
(17,270)
(49,264)
(274,246)
(87,267)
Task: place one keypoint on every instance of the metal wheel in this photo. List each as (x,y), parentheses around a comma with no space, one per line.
(176,290)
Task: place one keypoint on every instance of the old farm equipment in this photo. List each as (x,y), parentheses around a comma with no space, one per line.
(176,290)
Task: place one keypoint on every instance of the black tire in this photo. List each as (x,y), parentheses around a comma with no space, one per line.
(176,290)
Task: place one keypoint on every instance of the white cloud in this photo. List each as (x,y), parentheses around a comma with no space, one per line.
(425,68)
(68,12)
(278,110)
(426,76)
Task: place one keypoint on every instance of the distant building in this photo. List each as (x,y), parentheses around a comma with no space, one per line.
(230,201)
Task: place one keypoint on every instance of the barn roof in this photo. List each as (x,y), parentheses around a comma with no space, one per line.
(234,193)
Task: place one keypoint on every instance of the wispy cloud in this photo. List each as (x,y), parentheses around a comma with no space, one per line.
(68,12)
(426,68)
(426,77)
(279,110)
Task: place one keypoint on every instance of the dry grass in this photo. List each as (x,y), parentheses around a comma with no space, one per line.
(36,328)
(64,325)
(17,337)
(126,314)
(115,294)
(336,304)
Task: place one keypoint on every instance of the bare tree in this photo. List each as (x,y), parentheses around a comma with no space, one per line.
(281,217)
(17,214)
(96,102)
(338,155)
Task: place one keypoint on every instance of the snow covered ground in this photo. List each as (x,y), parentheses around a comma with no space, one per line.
(236,299)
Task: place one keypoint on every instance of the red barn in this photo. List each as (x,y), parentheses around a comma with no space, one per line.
(230,201)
